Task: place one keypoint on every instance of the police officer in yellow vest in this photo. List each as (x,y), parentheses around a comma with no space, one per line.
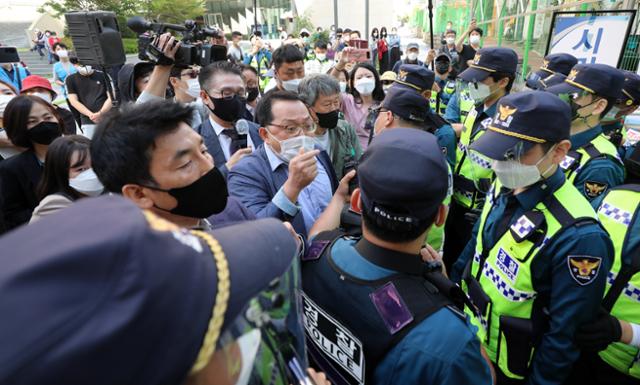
(537,262)
(593,164)
(611,344)
(487,79)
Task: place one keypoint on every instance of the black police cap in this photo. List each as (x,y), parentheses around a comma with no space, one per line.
(488,61)
(597,79)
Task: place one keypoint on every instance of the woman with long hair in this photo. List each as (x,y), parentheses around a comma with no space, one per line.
(383,51)
(67,176)
(373,45)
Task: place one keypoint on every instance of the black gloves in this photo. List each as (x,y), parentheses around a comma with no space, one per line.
(599,333)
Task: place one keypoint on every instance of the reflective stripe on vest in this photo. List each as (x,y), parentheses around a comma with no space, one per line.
(506,274)
(466,104)
(616,213)
(470,169)
(576,160)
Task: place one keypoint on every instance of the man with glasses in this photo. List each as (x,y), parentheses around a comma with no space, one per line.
(286,178)
(593,164)
(224,93)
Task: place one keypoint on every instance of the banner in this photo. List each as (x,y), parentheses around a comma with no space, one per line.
(599,37)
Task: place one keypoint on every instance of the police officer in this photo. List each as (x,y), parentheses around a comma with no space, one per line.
(593,164)
(613,122)
(551,81)
(103,293)
(611,343)
(390,324)
(488,78)
(560,63)
(536,264)
(445,83)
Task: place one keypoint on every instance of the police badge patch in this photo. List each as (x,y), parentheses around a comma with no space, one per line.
(584,268)
(594,189)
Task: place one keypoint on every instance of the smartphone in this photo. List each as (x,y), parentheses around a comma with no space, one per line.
(353,183)
(9,55)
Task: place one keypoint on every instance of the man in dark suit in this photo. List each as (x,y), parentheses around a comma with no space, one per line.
(224,93)
(286,177)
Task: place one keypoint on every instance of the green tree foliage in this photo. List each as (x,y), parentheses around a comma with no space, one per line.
(175,11)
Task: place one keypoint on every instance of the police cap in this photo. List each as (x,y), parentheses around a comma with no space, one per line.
(597,79)
(407,104)
(523,120)
(488,61)
(416,77)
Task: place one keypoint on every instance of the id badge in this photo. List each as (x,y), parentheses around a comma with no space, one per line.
(391,307)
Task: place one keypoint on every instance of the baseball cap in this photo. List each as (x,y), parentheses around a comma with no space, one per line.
(388,76)
(413,45)
(104,293)
(403,176)
(35,81)
(524,118)
(406,103)
(416,77)
(488,61)
(598,79)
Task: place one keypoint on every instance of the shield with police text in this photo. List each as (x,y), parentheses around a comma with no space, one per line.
(584,268)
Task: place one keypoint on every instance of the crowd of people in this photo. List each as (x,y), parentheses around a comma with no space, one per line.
(308,213)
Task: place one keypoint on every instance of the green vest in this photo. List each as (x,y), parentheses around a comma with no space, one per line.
(466,105)
(262,68)
(576,160)
(449,89)
(435,238)
(470,172)
(499,280)
(618,211)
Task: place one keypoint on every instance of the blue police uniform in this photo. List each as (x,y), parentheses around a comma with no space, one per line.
(390,325)
(560,298)
(104,293)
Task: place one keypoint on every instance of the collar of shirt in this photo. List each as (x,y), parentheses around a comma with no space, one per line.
(216,127)
(274,161)
(581,139)
(538,192)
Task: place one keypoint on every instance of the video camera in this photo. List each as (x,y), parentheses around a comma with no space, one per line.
(193,50)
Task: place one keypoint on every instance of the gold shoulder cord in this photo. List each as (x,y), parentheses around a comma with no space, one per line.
(220,306)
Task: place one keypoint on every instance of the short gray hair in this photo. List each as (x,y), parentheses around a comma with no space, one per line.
(316,85)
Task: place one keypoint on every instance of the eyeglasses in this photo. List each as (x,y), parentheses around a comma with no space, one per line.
(193,74)
(307,128)
(228,93)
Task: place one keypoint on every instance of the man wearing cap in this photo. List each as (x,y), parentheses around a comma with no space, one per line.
(613,122)
(561,63)
(536,264)
(488,78)
(390,324)
(593,164)
(387,79)
(411,57)
(150,154)
(128,298)
(41,87)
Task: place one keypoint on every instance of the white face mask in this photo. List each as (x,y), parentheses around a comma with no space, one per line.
(193,89)
(43,95)
(62,53)
(289,148)
(611,115)
(87,183)
(291,85)
(85,70)
(513,174)
(451,40)
(365,86)
(413,56)
(321,56)
(479,94)
(474,39)
(343,86)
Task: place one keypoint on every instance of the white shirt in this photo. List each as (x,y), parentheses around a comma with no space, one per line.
(225,141)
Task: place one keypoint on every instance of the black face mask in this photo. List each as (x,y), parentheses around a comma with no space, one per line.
(442,68)
(202,198)
(328,120)
(44,132)
(253,94)
(228,110)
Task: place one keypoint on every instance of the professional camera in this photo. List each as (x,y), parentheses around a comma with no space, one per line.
(194,49)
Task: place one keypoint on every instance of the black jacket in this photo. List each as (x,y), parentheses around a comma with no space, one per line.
(19,177)
(126,80)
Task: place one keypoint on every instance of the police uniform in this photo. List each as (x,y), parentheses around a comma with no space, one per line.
(604,359)
(472,176)
(537,261)
(556,63)
(103,293)
(626,138)
(390,325)
(593,164)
